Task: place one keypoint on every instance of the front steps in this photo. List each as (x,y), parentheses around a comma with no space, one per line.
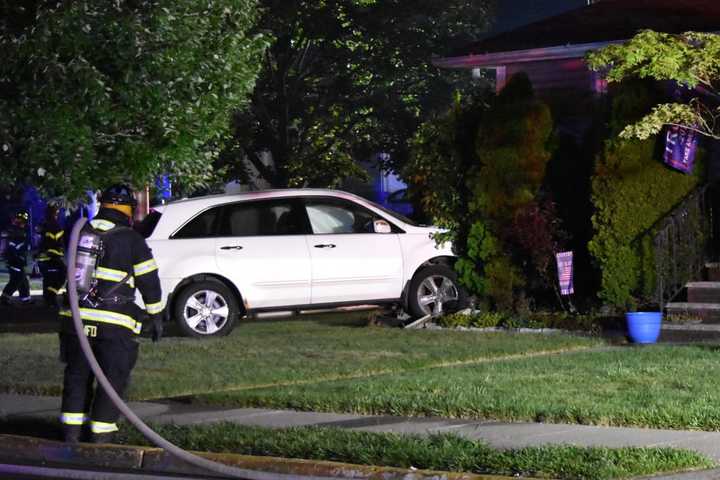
(699,316)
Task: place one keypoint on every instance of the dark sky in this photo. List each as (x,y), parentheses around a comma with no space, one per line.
(514,13)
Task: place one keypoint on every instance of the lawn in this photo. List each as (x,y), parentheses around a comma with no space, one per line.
(436,452)
(334,362)
(267,353)
(659,386)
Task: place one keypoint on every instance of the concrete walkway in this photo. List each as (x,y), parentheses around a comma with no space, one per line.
(502,435)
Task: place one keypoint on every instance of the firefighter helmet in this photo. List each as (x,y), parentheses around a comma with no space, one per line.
(22,216)
(118,195)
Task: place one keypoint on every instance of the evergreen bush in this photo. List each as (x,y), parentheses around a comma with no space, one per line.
(631,190)
(478,172)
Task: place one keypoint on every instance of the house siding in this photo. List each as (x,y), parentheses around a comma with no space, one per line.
(551,75)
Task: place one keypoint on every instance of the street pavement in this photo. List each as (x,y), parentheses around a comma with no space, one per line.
(24,409)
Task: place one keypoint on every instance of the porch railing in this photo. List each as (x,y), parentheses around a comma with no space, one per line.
(683,243)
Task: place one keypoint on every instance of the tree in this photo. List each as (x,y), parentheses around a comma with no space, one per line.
(346,79)
(478,172)
(94,92)
(691,59)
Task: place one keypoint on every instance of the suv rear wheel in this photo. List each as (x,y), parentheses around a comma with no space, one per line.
(205,309)
(434,290)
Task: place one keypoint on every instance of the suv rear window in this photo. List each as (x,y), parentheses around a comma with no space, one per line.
(202,226)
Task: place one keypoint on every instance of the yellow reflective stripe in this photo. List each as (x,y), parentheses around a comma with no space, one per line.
(112,275)
(106,316)
(102,225)
(71,418)
(57,252)
(53,290)
(43,258)
(55,236)
(113,318)
(145,267)
(102,427)
(153,308)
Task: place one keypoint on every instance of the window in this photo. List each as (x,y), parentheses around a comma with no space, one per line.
(202,226)
(267,217)
(146,226)
(333,215)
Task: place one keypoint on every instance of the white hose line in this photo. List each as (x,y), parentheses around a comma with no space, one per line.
(150,434)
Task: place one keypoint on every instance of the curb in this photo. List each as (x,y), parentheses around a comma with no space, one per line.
(146,459)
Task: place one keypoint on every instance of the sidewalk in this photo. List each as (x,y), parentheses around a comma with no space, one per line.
(501,435)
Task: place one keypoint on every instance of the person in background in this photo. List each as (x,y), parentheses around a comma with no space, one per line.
(51,257)
(15,254)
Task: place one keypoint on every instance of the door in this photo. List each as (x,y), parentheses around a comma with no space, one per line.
(261,247)
(350,261)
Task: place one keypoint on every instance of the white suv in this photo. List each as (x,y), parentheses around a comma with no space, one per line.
(222,257)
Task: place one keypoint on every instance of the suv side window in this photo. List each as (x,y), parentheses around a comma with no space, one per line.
(202,226)
(265,217)
(335,215)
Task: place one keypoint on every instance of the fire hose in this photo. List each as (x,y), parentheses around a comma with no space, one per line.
(149,433)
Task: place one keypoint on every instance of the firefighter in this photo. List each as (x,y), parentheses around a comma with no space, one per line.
(51,258)
(15,254)
(110,317)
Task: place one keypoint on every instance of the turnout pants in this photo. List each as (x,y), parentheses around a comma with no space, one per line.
(83,404)
(53,273)
(18,282)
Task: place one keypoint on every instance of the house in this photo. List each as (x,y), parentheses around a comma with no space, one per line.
(551,52)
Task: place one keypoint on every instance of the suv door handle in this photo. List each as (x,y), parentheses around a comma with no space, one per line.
(325,245)
(231,247)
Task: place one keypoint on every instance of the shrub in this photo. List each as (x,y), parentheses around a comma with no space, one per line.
(476,320)
(552,320)
(631,191)
(478,172)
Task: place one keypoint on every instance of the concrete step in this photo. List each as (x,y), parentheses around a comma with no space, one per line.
(703,292)
(712,271)
(689,332)
(705,312)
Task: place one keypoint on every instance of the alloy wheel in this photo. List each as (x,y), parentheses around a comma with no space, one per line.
(435,292)
(206,312)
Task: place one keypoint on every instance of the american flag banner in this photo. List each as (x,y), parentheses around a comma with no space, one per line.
(565,272)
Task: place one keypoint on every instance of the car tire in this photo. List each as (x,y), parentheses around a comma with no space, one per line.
(206,309)
(435,290)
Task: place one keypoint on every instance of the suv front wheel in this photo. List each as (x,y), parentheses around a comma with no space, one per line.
(434,290)
(205,309)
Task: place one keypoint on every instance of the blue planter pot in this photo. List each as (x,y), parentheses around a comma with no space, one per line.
(643,327)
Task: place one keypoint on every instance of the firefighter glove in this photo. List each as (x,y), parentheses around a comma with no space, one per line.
(157,327)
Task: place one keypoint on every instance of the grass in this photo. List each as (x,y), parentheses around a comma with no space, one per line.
(276,353)
(436,452)
(659,387)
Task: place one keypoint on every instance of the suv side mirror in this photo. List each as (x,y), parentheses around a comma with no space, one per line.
(381,226)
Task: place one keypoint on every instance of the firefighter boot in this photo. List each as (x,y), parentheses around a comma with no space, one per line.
(71,433)
(102,437)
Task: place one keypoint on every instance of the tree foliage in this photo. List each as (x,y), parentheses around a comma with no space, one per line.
(691,59)
(94,92)
(345,79)
(478,171)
